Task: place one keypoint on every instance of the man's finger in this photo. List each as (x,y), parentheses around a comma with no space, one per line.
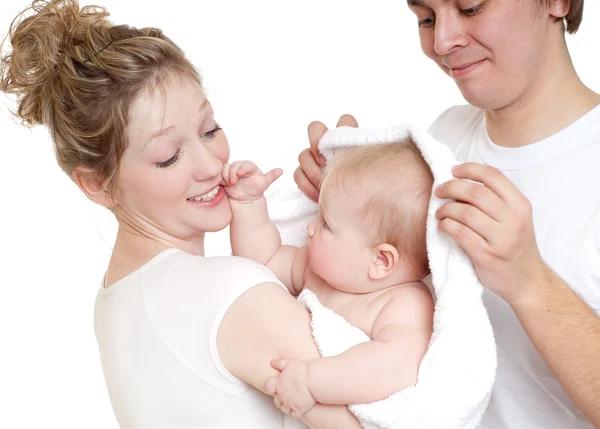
(309,166)
(316,130)
(347,120)
(306,185)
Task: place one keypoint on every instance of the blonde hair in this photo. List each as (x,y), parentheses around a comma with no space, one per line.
(394,183)
(76,73)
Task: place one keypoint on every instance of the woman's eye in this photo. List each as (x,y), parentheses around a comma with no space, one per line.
(170,161)
(210,134)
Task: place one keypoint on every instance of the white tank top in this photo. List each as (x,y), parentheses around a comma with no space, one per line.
(157,335)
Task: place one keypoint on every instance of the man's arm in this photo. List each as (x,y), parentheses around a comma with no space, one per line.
(492,221)
(566,333)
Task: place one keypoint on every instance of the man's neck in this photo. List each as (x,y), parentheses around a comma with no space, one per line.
(555,101)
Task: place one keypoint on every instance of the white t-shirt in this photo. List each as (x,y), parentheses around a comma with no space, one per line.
(561,177)
(157,330)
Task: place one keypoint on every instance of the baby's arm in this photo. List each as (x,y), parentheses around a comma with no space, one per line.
(253,235)
(368,371)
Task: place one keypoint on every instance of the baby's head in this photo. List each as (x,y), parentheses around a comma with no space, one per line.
(375,198)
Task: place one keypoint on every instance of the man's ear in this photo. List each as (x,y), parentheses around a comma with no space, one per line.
(385,260)
(92,186)
(559,8)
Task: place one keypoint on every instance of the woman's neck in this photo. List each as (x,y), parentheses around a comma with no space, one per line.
(134,248)
(554,101)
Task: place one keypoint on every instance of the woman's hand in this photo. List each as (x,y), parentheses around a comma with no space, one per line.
(492,221)
(290,389)
(243,180)
(308,175)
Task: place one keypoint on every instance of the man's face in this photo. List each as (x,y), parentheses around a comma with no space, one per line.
(495,50)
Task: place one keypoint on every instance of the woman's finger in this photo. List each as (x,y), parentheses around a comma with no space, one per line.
(279,364)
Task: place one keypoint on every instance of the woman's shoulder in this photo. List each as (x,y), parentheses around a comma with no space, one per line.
(195,277)
(180,263)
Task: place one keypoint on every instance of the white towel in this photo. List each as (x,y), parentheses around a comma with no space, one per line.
(457,373)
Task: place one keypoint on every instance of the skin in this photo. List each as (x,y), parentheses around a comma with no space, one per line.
(521,74)
(373,287)
(157,177)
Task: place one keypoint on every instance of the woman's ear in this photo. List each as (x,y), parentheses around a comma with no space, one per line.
(386,258)
(92,186)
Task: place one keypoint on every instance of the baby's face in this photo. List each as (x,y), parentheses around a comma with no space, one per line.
(338,246)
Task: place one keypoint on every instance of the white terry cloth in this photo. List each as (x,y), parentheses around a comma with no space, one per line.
(457,373)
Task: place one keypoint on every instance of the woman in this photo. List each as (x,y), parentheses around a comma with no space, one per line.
(185,341)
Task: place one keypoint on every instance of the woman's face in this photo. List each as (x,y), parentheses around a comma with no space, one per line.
(170,174)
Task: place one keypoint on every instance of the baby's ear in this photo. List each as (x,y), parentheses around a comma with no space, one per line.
(386,259)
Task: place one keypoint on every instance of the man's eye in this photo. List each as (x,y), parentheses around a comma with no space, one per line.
(427,22)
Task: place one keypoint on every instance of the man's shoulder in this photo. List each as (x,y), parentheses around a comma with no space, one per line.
(457,125)
(456,119)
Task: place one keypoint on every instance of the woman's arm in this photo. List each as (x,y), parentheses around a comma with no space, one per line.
(265,323)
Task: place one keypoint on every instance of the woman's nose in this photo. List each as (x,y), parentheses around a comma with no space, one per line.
(207,165)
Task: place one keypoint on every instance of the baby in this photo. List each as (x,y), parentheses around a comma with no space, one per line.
(364,259)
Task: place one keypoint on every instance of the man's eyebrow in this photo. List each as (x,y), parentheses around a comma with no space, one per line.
(418,3)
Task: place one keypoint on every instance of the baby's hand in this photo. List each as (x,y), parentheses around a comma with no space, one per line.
(243,181)
(290,388)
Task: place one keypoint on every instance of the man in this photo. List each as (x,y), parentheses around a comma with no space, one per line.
(531,225)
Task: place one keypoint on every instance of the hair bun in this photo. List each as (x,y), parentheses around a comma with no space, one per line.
(50,38)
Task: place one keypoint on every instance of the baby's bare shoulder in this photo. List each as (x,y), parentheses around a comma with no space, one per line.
(409,301)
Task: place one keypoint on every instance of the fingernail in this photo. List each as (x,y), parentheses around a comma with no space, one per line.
(270,386)
(322,160)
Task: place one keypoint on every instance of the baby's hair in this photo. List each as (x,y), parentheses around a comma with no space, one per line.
(76,73)
(392,183)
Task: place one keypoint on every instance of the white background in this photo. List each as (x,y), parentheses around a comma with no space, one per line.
(270,68)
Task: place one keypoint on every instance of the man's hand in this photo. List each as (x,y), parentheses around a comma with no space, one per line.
(290,388)
(308,174)
(243,180)
(492,221)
